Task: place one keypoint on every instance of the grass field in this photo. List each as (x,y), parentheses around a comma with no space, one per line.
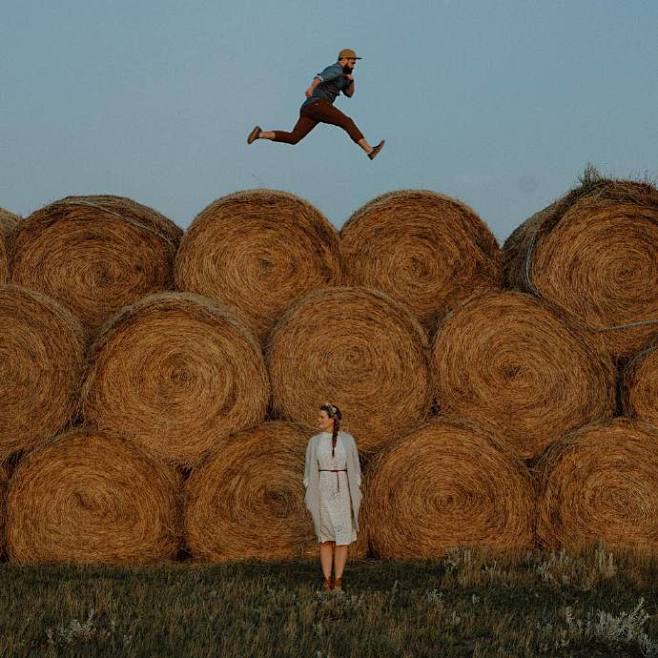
(464,605)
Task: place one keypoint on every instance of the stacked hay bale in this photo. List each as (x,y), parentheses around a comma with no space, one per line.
(600,484)
(247,500)
(41,363)
(592,256)
(175,373)
(256,252)
(361,350)
(8,225)
(639,382)
(514,367)
(426,250)
(447,484)
(89,497)
(95,254)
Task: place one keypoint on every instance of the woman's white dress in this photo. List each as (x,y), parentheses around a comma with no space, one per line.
(335,505)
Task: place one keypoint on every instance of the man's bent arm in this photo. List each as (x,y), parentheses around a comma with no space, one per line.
(349,91)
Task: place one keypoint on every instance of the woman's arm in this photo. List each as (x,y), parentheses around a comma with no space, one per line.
(357,465)
(307,463)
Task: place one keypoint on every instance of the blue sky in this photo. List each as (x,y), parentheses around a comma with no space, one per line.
(500,103)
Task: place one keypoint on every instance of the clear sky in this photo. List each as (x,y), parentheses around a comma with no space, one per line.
(499,103)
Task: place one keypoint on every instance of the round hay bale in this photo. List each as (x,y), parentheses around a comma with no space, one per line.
(256,252)
(513,366)
(600,484)
(247,500)
(175,373)
(8,225)
(425,249)
(640,384)
(447,484)
(92,498)
(95,254)
(358,348)
(592,255)
(41,363)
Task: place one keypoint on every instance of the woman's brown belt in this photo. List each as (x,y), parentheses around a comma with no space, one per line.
(336,471)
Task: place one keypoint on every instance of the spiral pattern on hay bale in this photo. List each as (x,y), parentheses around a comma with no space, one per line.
(447,484)
(41,363)
(247,500)
(256,252)
(175,373)
(8,226)
(95,254)
(600,484)
(640,384)
(359,349)
(425,249)
(92,498)
(592,255)
(513,366)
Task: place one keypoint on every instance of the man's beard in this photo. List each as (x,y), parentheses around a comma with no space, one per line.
(347,69)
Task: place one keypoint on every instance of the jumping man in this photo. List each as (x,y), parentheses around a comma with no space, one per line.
(318,107)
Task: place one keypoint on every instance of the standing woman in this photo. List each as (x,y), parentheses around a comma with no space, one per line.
(332,477)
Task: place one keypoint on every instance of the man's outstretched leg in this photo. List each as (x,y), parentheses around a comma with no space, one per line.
(302,128)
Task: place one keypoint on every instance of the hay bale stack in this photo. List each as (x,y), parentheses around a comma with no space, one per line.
(175,374)
(95,254)
(640,384)
(592,255)
(447,484)
(425,249)
(256,252)
(41,362)
(8,225)
(600,484)
(247,500)
(513,366)
(358,348)
(92,498)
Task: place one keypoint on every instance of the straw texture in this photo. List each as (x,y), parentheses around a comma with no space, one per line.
(92,498)
(640,384)
(175,373)
(256,252)
(247,500)
(447,484)
(513,366)
(592,255)
(425,249)
(600,484)
(95,254)
(359,349)
(41,362)
(8,225)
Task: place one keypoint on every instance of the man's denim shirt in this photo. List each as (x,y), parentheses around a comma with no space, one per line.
(333,82)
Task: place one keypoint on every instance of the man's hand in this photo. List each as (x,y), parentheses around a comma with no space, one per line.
(350,77)
(309,92)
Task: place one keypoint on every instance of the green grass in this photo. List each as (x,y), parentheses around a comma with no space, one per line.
(464,605)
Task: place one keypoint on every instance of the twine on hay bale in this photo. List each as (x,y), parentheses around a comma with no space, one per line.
(511,365)
(175,373)
(447,484)
(600,484)
(639,382)
(592,255)
(95,254)
(257,251)
(92,498)
(247,500)
(358,348)
(8,225)
(425,249)
(41,363)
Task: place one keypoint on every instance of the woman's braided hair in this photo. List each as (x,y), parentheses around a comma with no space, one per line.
(334,413)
